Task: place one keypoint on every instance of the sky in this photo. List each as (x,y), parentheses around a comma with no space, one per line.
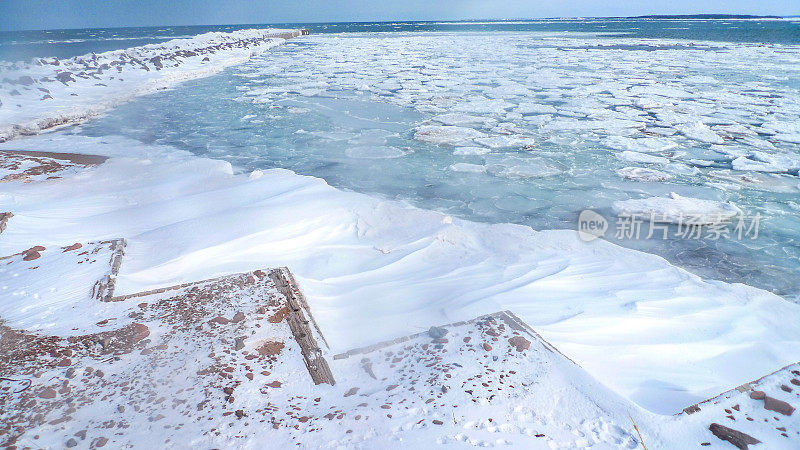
(55,14)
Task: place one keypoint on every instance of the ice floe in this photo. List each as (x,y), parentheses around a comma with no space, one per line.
(467,151)
(700,132)
(447,135)
(631,156)
(459,119)
(506,142)
(377,152)
(466,167)
(643,174)
(677,209)
(641,145)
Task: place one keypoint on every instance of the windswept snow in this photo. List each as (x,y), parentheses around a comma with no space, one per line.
(376,269)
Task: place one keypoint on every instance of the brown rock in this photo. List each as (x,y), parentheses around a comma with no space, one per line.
(437,422)
(64,362)
(520,343)
(487,347)
(270,348)
(30,255)
(274,384)
(140,331)
(279,315)
(737,438)
(72,247)
(238,317)
(758,395)
(350,392)
(220,320)
(48,393)
(780,406)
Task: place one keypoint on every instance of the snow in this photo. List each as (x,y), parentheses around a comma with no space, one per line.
(375,269)
(49,93)
(52,286)
(644,332)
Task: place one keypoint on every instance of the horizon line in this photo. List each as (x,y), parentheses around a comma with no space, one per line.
(704,16)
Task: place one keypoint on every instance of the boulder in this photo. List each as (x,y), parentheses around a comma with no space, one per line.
(737,438)
(779,406)
(520,343)
(65,77)
(437,332)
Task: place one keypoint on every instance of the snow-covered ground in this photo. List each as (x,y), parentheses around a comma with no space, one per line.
(376,269)
(650,338)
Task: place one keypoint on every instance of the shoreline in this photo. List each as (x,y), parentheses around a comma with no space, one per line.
(148,69)
(633,336)
(458,274)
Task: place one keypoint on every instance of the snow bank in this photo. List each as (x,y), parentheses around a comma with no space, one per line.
(375,270)
(50,92)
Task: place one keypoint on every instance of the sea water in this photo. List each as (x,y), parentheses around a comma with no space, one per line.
(522,122)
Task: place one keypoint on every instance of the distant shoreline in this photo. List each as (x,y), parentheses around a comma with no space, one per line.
(703,16)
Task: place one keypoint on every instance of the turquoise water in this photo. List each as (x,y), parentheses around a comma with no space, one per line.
(345,107)
(24,45)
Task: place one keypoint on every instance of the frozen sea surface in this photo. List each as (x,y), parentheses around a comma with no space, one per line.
(521,127)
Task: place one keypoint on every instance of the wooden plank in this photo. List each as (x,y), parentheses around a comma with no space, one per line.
(103,289)
(299,325)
